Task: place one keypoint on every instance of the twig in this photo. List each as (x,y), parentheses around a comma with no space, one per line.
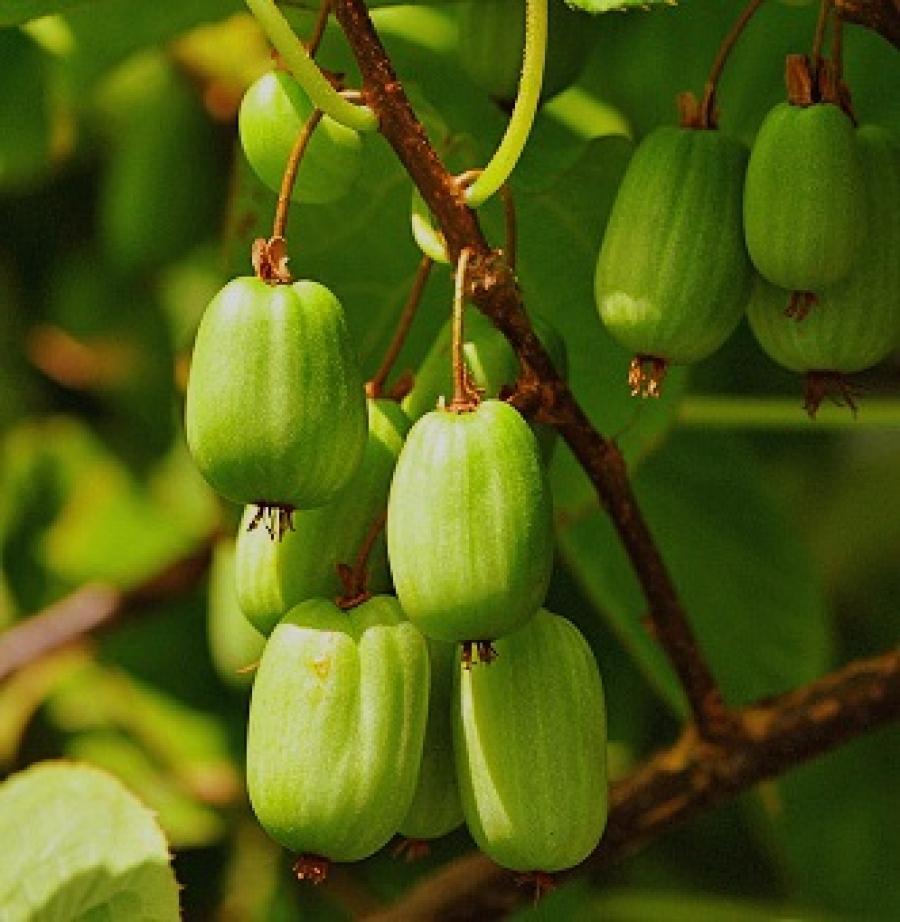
(684,780)
(881,16)
(493,289)
(93,607)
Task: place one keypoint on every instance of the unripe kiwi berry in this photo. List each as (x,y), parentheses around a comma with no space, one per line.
(336,727)
(469,526)
(854,324)
(274,576)
(673,274)
(275,412)
(530,742)
(804,204)
(273,111)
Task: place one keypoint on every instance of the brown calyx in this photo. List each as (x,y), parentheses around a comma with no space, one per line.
(800,304)
(277,518)
(812,82)
(646,374)
(541,881)
(313,868)
(411,850)
(477,651)
(833,386)
(270,261)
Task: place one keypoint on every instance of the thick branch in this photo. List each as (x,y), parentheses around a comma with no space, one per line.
(680,782)
(93,607)
(495,291)
(882,16)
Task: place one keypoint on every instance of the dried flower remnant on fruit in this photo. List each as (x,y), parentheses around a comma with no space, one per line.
(833,386)
(278,520)
(411,850)
(477,651)
(646,374)
(800,304)
(312,868)
(541,883)
(270,260)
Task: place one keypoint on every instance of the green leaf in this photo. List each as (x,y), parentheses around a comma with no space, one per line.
(746,581)
(109,858)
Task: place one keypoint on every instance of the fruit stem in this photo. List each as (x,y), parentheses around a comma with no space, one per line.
(466,180)
(304,136)
(465,396)
(784,413)
(321,93)
(528,98)
(315,38)
(356,578)
(375,386)
(707,114)
(819,37)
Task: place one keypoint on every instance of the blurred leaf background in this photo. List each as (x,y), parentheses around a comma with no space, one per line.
(125,204)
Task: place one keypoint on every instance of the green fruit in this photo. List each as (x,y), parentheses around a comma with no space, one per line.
(436,809)
(273,111)
(469,530)
(492,42)
(276,411)
(161,189)
(673,274)
(336,727)
(804,204)
(25,111)
(854,323)
(273,576)
(530,741)
(233,643)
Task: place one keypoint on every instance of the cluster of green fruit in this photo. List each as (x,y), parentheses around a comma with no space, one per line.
(375,714)
(803,235)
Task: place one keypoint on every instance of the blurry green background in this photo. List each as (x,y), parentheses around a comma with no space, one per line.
(124,206)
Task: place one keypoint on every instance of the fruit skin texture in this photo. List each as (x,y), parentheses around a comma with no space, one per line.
(469,526)
(853,325)
(673,273)
(530,741)
(492,41)
(275,410)
(272,112)
(436,809)
(804,205)
(273,576)
(337,721)
(233,643)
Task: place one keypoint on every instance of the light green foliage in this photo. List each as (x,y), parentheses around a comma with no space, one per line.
(530,738)
(469,524)
(336,727)
(275,409)
(110,859)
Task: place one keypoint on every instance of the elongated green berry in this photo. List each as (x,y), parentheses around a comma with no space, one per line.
(234,644)
(530,741)
(804,205)
(469,525)
(673,273)
(436,809)
(336,727)
(853,326)
(276,411)
(273,576)
(273,111)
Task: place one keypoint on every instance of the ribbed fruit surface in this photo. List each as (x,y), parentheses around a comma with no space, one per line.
(436,809)
(804,205)
(673,273)
(233,643)
(854,324)
(492,41)
(470,524)
(336,726)
(530,741)
(272,112)
(276,410)
(273,576)
(492,363)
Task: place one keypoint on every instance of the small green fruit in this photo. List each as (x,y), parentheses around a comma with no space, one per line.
(336,727)
(233,643)
(804,203)
(530,741)
(273,576)
(273,111)
(469,528)
(436,810)
(492,42)
(276,411)
(673,273)
(853,326)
